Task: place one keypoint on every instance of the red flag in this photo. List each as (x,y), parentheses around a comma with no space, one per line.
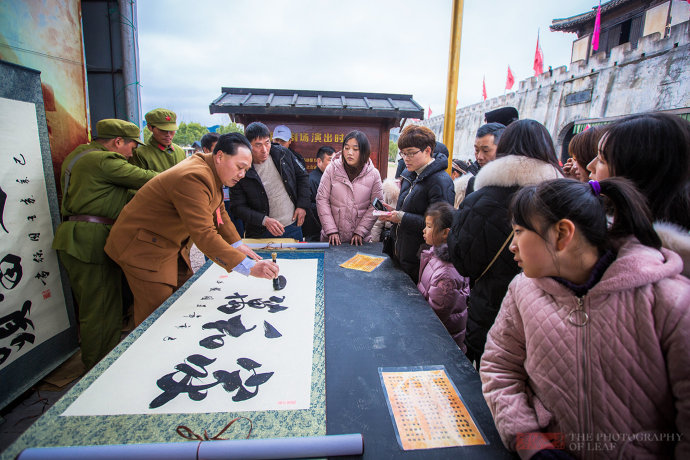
(429,112)
(484,88)
(597,29)
(538,59)
(510,80)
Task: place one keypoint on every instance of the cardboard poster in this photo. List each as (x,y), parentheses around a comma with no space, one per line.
(31,298)
(230,343)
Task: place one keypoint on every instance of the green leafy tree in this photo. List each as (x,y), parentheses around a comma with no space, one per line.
(230,128)
(187,133)
(392,150)
(147,134)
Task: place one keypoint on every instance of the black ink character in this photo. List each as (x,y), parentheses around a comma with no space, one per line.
(3,199)
(271,332)
(31,218)
(230,381)
(9,324)
(34,236)
(232,327)
(200,305)
(4,354)
(10,271)
(22,161)
(219,282)
(214,289)
(38,256)
(28,201)
(207,297)
(237,302)
(253,381)
(41,276)
(193,315)
(23,181)
(171,387)
(169,339)
(183,326)
(21,339)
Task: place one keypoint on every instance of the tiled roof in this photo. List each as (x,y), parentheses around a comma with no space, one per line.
(573,22)
(316,103)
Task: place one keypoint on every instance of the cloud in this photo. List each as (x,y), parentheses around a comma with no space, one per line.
(190,50)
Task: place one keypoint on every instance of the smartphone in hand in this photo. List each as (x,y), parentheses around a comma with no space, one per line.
(378,205)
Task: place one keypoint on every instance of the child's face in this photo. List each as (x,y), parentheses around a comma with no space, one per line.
(429,231)
(532,252)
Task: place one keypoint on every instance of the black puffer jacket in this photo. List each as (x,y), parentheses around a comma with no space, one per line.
(416,194)
(480,227)
(248,199)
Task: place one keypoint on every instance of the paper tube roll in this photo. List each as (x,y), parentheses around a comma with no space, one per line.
(171,451)
(313,446)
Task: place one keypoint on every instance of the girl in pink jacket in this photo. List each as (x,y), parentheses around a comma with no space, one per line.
(589,353)
(439,281)
(346,192)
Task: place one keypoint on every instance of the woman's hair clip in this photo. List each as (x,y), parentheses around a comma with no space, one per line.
(596,187)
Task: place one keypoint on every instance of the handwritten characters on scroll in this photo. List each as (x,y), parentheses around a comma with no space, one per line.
(193,370)
(31,302)
(228,343)
(16,325)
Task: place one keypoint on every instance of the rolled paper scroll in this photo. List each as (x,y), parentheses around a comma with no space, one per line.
(305,447)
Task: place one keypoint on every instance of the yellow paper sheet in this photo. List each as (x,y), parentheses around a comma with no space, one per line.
(363,262)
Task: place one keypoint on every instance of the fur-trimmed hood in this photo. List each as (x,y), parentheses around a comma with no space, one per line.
(460,185)
(391,191)
(514,170)
(677,239)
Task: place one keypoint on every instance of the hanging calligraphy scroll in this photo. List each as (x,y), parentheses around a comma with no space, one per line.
(36,333)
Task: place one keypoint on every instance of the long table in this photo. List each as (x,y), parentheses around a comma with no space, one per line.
(372,320)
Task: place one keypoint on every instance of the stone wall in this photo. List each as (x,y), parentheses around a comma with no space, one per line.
(654,76)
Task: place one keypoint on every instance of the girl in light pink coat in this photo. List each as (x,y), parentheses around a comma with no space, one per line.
(346,192)
(588,356)
(439,281)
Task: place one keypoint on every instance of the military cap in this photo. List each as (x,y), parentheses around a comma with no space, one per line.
(162,119)
(110,128)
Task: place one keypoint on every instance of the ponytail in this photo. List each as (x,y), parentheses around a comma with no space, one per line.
(538,207)
(631,215)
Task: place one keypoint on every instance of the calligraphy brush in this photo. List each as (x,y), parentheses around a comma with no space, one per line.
(279,282)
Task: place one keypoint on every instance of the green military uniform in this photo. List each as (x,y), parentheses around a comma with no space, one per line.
(97,192)
(154,156)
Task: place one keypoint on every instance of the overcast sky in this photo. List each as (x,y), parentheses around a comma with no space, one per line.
(189,50)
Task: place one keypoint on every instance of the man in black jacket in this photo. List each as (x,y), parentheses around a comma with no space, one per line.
(312,223)
(273,197)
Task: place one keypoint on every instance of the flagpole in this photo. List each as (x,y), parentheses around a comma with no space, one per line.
(452,88)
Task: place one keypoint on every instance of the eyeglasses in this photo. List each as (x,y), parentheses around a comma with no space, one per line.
(409,154)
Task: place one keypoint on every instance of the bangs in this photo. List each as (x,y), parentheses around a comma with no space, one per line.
(524,209)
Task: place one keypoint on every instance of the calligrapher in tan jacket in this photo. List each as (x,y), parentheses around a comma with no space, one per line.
(150,238)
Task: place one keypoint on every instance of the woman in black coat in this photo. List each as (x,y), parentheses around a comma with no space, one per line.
(423,182)
(481,230)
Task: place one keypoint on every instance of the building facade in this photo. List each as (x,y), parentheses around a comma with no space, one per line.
(642,65)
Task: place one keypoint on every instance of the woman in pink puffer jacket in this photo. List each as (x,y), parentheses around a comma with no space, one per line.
(589,353)
(346,192)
